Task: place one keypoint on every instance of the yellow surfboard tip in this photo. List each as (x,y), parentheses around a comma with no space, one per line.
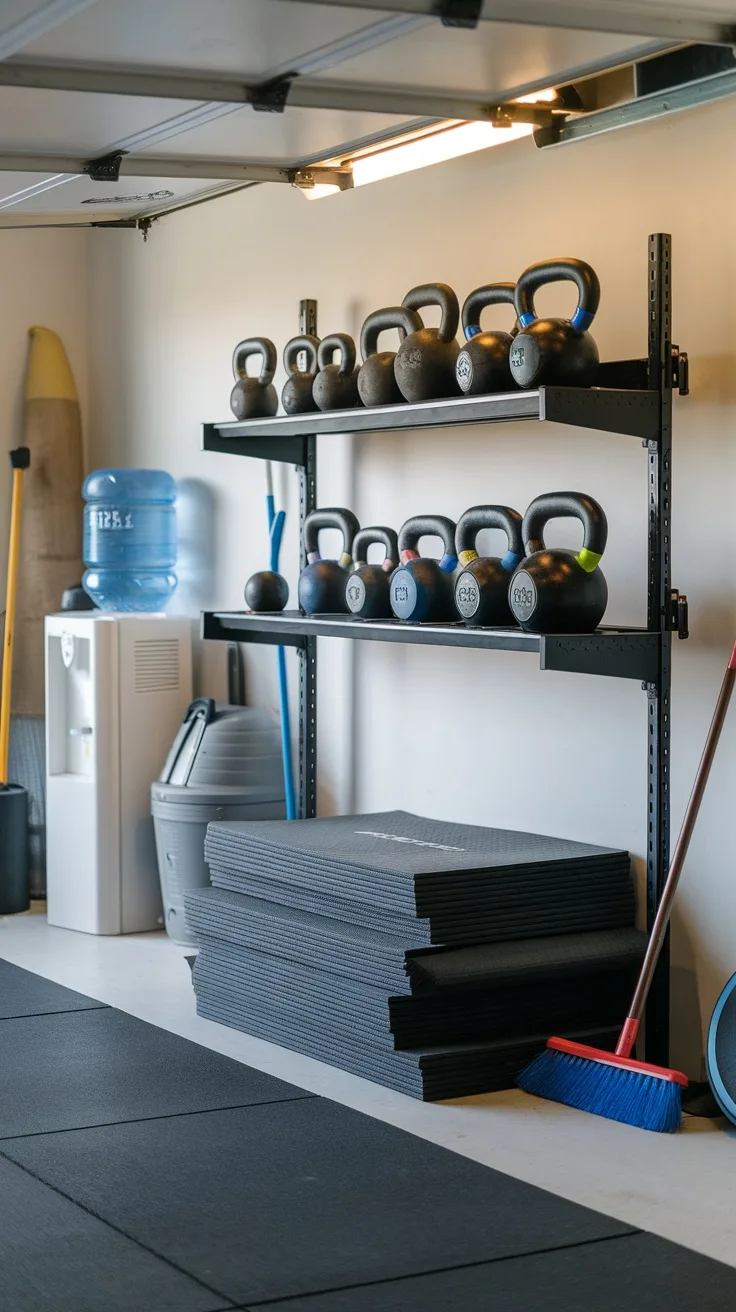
(48,374)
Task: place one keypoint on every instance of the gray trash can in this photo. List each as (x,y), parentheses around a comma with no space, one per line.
(225,764)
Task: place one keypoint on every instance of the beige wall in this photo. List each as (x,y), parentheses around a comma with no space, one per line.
(473,736)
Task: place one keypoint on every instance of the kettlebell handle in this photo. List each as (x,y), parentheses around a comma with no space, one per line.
(262,346)
(394,316)
(470,524)
(310,345)
(332,517)
(386,536)
(563,270)
(436,526)
(436,293)
(341,342)
(494,293)
(561,505)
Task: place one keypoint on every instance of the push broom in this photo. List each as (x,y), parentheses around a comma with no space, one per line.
(614,1084)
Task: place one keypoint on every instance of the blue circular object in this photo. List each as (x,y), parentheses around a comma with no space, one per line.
(720,1055)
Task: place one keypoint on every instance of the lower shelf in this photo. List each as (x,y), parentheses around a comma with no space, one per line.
(616,653)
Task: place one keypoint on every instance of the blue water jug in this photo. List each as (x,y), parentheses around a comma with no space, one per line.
(129,538)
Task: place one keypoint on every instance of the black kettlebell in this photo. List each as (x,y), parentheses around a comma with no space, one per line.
(421,588)
(322,582)
(336,385)
(555,352)
(266,591)
(559,591)
(367,588)
(296,396)
(425,362)
(483,363)
(254,398)
(376,380)
(482,582)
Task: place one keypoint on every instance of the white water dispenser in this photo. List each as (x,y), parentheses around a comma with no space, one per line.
(117,686)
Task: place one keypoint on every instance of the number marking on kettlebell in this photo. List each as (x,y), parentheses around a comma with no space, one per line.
(523,596)
(467,595)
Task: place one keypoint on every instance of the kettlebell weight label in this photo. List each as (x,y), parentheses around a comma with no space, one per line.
(355,594)
(516,355)
(464,371)
(523,596)
(467,595)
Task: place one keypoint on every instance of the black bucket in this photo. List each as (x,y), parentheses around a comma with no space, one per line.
(14,881)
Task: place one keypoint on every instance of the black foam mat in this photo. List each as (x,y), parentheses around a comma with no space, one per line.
(282,1199)
(631,1272)
(562,956)
(24,994)
(90,1067)
(56,1257)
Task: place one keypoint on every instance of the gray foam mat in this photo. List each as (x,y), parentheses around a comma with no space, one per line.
(24,994)
(633,1271)
(56,1257)
(282,1199)
(90,1067)
(565,955)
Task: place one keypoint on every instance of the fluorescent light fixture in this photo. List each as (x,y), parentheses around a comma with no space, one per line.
(434,149)
(319,190)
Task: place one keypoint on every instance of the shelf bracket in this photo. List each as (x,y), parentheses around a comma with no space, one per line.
(271,97)
(106,168)
(459,13)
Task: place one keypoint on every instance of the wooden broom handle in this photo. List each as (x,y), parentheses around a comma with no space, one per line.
(20,459)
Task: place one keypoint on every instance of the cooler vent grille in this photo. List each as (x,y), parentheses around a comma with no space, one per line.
(156,665)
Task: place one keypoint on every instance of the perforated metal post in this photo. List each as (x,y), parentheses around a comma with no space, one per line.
(307,654)
(658,619)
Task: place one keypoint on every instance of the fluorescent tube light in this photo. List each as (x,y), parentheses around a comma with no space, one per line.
(434,149)
(319,190)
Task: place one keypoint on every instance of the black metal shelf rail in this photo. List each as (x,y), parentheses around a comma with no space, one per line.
(634,399)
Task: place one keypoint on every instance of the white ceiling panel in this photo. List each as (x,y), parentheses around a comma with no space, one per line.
(94,201)
(251,37)
(285,138)
(496,59)
(70,122)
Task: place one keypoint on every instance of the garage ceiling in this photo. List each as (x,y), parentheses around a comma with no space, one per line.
(168,89)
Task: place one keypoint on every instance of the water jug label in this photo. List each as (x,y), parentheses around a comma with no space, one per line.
(110,519)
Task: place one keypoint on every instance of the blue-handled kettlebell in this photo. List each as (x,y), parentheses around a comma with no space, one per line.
(483,363)
(421,588)
(555,352)
(482,582)
(322,582)
(555,590)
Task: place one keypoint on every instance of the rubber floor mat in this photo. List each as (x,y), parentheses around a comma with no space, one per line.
(91,1067)
(55,1257)
(24,994)
(285,1198)
(637,1271)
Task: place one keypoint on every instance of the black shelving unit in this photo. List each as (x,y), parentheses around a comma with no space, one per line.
(633,398)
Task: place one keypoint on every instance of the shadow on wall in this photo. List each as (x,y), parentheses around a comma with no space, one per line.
(197,566)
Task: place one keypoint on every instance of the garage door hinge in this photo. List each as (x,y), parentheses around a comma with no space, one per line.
(106,168)
(459,13)
(271,97)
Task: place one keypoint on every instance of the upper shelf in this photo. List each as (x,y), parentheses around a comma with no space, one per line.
(619,407)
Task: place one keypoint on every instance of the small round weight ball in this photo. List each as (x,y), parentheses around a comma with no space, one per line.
(266,591)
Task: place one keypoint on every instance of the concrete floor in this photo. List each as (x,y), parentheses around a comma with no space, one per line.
(679,1187)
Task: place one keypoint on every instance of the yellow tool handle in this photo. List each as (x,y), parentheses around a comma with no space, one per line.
(20,460)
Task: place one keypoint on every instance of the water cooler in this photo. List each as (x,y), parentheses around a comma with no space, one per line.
(117,686)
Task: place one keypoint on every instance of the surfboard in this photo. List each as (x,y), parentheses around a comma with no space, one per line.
(51,534)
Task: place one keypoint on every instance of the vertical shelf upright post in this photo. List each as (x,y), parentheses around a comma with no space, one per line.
(660,366)
(307,653)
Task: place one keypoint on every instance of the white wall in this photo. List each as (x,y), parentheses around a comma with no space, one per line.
(43,280)
(471,736)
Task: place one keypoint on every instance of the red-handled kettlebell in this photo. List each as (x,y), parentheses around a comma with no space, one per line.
(421,588)
(367,588)
(555,590)
(322,582)
(555,352)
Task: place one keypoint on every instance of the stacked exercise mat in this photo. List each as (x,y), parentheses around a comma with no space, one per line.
(434,958)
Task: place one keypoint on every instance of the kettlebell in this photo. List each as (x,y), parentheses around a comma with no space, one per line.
(322,582)
(421,588)
(266,591)
(296,396)
(483,363)
(559,591)
(376,380)
(336,385)
(425,362)
(367,588)
(482,582)
(254,398)
(555,352)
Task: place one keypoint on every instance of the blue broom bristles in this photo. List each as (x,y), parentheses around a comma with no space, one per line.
(632,1097)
